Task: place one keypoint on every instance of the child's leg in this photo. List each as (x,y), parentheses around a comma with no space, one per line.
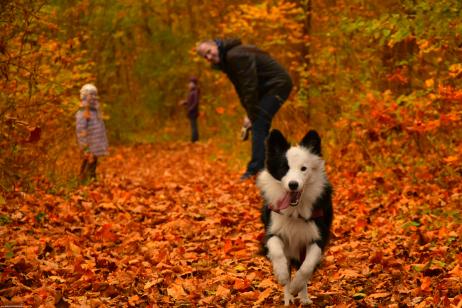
(194,130)
(83,169)
(92,167)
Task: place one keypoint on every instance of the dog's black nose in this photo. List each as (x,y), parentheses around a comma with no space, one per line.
(293,185)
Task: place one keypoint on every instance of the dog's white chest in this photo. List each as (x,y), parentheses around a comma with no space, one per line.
(296,233)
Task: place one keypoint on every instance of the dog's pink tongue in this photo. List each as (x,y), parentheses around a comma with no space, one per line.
(283,203)
(290,198)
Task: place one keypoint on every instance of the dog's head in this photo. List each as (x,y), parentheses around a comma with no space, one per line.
(294,168)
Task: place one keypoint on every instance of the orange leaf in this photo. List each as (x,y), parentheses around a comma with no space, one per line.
(222,292)
(74,249)
(241,284)
(451,159)
(133,300)
(228,246)
(456,271)
(360,224)
(379,295)
(220,110)
(349,273)
(426,283)
(263,296)
(266,283)
(176,291)
(107,234)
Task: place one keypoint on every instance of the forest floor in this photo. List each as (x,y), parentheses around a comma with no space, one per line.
(171,225)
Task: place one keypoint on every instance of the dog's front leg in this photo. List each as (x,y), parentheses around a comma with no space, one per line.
(279,260)
(281,267)
(313,256)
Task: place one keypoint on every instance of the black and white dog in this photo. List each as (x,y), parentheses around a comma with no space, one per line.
(298,211)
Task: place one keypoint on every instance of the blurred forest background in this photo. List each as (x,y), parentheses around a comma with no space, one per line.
(380,80)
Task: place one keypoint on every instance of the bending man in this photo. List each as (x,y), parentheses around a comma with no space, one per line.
(261,83)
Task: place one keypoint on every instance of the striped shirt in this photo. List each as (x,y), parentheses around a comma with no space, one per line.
(90,129)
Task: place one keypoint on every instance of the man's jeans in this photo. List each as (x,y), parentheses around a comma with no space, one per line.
(268,107)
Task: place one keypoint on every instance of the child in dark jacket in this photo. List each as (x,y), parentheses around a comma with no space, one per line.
(192,107)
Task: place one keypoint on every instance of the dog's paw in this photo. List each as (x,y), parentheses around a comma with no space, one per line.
(298,283)
(288,298)
(306,301)
(304,297)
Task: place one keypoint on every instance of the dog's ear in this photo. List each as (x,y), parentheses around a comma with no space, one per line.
(312,141)
(276,143)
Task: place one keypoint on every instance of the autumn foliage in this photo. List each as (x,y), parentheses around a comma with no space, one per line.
(168,223)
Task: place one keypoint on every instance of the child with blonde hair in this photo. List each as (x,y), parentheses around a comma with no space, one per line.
(91,132)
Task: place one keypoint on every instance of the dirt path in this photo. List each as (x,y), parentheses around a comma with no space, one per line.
(171,226)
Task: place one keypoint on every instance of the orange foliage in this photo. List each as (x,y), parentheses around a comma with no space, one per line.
(168,224)
(166,227)
(40,77)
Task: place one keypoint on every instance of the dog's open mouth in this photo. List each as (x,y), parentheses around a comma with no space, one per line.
(295,198)
(291,198)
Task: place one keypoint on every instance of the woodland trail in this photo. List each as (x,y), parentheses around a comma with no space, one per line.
(170,225)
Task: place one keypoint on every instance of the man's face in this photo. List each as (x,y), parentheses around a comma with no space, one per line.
(209,51)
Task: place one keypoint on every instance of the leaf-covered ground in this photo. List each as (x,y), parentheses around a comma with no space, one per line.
(170,225)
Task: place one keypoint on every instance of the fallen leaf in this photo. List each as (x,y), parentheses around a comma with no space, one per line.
(426,283)
(379,295)
(176,291)
(263,296)
(266,283)
(222,292)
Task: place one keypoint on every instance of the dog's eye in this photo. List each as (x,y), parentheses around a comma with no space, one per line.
(303,168)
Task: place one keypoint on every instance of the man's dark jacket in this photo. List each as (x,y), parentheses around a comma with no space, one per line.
(253,73)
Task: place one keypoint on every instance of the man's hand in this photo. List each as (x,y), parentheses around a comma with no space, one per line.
(245,129)
(247,123)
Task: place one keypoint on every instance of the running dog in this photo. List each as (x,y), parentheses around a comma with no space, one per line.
(298,210)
